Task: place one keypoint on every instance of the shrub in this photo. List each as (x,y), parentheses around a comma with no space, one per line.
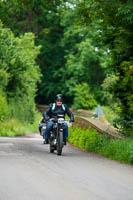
(85,139)
(4,111)
(19,74)
(22,110)
(83,98)
(90,140)
(110,114)
(14,127)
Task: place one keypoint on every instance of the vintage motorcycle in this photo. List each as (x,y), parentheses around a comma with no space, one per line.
(57,134)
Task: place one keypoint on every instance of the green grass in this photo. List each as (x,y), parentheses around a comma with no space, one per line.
(91,141)
(15,127)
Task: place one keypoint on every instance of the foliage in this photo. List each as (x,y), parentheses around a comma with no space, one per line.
(14,127)
(19,73)
(125,93)
(82,42)
(86,140)
(83,98)
(116,32)
(111,114)
(121,150)
(65,46)
(43,19)
(107,86)
(4,111)
(90,140)
(22,109)
(86,57)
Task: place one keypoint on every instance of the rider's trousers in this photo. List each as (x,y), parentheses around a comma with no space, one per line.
(49,127)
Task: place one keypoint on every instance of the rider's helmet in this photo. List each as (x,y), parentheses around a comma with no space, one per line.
(59,97)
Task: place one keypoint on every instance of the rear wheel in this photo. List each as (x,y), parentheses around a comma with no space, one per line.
(59,144)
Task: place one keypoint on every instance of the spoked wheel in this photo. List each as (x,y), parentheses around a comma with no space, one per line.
(59,144)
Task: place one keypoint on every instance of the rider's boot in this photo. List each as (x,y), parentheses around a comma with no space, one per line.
(46,141)
(40,129)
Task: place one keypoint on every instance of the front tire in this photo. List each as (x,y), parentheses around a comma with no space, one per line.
(60,144)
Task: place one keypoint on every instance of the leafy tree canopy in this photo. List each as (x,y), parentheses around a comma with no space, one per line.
(117,32)
(18,70)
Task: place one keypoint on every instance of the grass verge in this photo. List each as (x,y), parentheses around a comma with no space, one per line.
(91,141)
(14,127)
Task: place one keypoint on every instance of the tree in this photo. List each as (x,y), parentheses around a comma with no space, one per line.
(18,71)
(83,98)
(117,32)
(87,60)
(43,19)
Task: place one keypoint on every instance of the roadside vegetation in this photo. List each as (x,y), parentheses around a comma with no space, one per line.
(19,75)
(82,49)
(15,127)
(90,140)
(110,114)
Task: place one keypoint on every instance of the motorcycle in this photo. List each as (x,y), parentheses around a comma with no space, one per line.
(56,135)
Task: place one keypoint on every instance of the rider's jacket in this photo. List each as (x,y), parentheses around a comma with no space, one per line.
(54,110)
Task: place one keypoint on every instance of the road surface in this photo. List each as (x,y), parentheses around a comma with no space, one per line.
(29,172)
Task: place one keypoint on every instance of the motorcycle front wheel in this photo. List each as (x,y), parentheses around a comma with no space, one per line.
(59,143)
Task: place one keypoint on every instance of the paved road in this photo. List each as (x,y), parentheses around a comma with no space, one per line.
(29,172)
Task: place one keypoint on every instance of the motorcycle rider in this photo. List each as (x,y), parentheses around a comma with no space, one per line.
(53,110)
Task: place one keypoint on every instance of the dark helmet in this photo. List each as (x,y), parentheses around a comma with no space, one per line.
(59,97)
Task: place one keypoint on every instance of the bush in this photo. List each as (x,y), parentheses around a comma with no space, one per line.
(83,98)
(90,140)
(14,127)
(19,74)
(110,114)
(85,139)
(4,111)
(22,110)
